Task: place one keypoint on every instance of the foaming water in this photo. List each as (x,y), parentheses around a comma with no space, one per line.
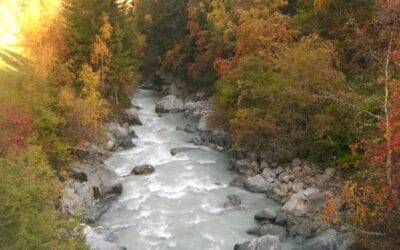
(179,206)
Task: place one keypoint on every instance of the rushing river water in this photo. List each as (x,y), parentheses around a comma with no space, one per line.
(180,205)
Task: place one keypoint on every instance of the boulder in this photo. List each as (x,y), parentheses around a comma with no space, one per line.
(92,192)
(257,184)
(234,201)
(281,189)
(238,182)
(219,137)
(281,218)
(169,104)
(117,130)
(295,205)
(126,142)
(265,214)
(143,170)
(267,242)
(176,151)
(270,229)
(131,116)
(325,241)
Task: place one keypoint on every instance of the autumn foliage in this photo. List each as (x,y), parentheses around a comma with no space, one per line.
(16,130)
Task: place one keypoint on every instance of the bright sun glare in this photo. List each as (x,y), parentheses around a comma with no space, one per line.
(9,28)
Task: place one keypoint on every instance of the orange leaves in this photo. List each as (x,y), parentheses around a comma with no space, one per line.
(330,213)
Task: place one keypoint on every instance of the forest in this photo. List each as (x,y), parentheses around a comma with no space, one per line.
(313,79)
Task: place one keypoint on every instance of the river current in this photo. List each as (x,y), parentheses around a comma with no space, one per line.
(180,205)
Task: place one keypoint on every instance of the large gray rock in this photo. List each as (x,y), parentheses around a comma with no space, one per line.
(270,229)
(325,241)
(131,116)
(92,190)
(265,214)
(257,184)
(267,242)
(143,170)
(169,104)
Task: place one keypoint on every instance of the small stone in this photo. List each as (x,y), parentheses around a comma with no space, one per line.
(143,170)
(296,163)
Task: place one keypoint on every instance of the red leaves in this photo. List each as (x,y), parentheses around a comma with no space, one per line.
(16,128)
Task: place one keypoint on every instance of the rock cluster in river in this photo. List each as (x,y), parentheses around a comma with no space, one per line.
(302,189)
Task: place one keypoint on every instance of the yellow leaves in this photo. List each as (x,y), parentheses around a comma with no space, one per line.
(101,53)
(106,29)
(85,114)
(90,81)
(321,5)
(148,18)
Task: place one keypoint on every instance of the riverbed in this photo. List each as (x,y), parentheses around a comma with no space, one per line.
(180,205)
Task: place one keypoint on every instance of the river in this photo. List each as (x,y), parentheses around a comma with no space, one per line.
(180,205)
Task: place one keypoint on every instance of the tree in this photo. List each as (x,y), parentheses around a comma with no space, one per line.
(28,194)
(101,54)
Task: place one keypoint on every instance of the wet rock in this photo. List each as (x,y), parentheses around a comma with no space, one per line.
(221,138)
(265,214)
(169,104)
(143,170)
(267,242)
(131,116)
(176,151)
(238,182)
(325,241)
(100,238)
(257,184)
(234,201)
(190,129)
(253,231)
(281,218)
(240,165)
(126,142)
(270,229)
(196,141)
(132,133)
